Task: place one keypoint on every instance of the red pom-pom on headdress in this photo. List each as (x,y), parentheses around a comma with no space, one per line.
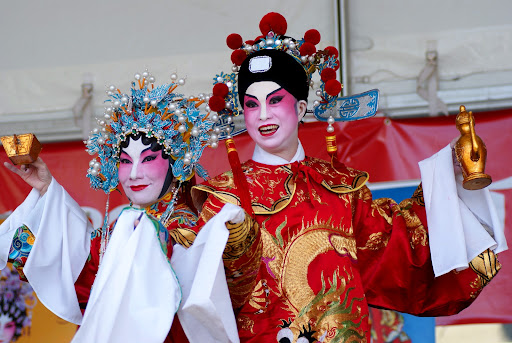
(273,22)
(238,56)
(332,51)
(257,39)
(217,103)
(333,87)
(307,49)
(250,42)
(234,41)
(312,36)
(328,74)
(220,89)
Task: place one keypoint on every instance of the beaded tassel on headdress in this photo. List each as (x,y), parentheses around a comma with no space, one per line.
(105,232)
(177,123)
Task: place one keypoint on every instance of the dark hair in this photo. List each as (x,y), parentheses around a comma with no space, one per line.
(280,68)
(153,146)
(152,142)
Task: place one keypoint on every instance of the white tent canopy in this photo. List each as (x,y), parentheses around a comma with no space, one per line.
(49,48)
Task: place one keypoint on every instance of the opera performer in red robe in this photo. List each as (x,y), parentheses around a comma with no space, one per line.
(323,250)
(135,281)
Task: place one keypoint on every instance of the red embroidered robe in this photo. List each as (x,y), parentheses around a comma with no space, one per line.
(322,250)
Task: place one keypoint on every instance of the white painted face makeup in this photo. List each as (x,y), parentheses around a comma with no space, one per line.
(142,173)
(7,328)
(271,117)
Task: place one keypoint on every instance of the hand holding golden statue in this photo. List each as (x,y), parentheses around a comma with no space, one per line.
(470,152)
(24,150)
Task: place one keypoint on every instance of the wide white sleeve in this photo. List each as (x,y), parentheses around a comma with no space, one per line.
(62,243)
(136,293)
(13,222)
(462,223)
(206,313)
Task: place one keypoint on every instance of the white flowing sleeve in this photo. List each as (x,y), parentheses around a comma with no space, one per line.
(61,247)
(14,221)
(206,313)
(462,223)
(135,294)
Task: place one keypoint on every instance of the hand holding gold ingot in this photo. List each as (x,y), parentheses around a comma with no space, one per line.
(470,152)
(21,149)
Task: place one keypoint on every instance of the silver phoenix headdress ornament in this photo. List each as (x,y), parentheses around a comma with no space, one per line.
(177,123)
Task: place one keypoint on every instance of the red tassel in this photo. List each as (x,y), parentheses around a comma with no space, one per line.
(239,177)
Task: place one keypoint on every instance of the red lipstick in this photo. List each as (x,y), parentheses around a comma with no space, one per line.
(268,130)
(138,188)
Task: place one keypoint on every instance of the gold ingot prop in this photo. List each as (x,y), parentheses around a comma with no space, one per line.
(471,152)
(21,149)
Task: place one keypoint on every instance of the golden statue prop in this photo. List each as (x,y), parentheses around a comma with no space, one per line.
(470,152)
(21,149)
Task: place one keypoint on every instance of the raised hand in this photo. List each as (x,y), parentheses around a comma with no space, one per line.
(36,174)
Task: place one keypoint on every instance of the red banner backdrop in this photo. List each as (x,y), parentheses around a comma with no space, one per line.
(388,149)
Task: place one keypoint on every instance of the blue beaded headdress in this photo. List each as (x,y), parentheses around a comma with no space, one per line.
(177,123)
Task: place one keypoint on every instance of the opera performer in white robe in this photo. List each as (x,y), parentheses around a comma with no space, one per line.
(142,279)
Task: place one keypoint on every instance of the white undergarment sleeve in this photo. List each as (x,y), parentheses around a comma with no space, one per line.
(13,222)
(206,313)
(135,294)
(60,250)
(457,218)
